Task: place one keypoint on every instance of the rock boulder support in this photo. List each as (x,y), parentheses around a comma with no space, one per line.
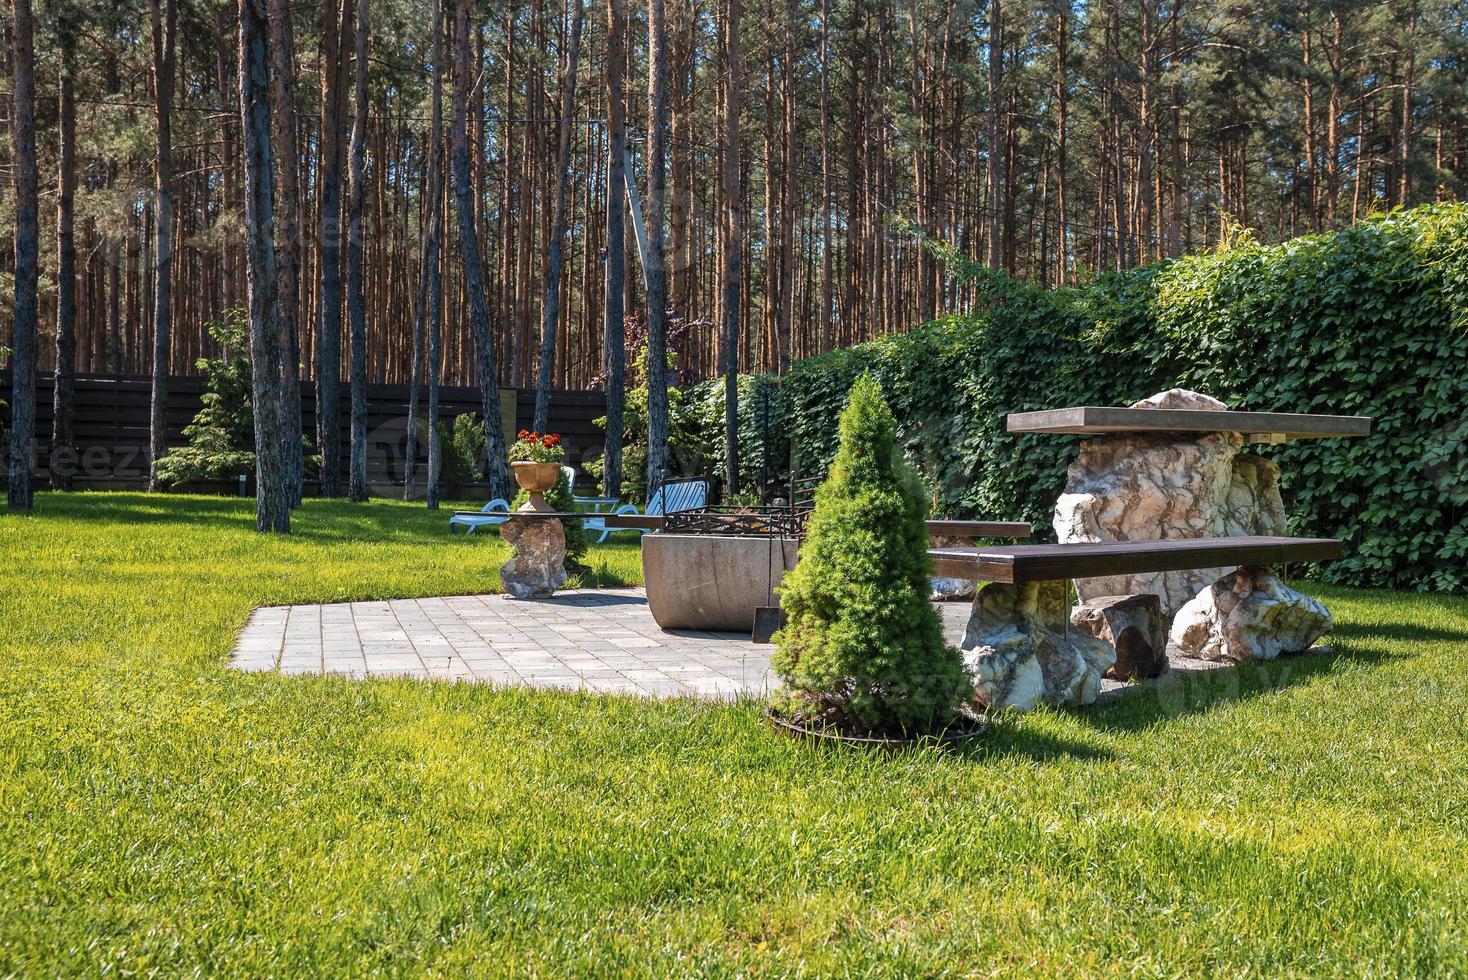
(1019,650)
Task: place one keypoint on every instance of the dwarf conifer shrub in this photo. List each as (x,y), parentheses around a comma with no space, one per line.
(863,648)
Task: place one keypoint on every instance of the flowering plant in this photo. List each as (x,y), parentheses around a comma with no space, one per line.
(532,447)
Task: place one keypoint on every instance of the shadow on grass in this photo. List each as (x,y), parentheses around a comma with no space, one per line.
(1401,632)
(1186,693)
(1007,738)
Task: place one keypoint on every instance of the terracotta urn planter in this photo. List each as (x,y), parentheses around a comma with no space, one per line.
(535,479)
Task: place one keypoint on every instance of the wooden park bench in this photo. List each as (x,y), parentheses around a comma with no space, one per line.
(1024,647)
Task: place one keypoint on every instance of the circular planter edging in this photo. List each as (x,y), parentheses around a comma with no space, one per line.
(962,731)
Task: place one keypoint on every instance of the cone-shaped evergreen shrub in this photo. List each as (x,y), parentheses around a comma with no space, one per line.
(863,649)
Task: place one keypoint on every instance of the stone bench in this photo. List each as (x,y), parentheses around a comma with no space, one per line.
(1019,646)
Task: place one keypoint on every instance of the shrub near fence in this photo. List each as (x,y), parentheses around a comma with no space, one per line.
(1371,320)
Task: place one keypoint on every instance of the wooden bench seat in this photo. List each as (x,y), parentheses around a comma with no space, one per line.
(1022,563)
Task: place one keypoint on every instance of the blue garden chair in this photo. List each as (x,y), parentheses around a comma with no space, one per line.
(667,499)
(496,512)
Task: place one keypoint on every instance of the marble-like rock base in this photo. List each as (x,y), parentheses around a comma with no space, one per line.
(1019,652)
(538,567)
(1144,486)
(1134,625)
(1249,615)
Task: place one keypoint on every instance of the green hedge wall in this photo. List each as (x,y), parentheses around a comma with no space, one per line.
(1372,320)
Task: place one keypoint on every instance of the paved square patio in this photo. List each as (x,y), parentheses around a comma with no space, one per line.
(601,640)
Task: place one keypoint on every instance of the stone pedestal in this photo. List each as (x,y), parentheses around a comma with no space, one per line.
(1020,651)
(1134,626)
(1249,615)
(538,567)
(1145,486)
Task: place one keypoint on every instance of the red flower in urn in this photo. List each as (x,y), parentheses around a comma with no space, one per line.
(532,447)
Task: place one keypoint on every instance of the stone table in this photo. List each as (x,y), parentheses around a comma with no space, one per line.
(1175,466)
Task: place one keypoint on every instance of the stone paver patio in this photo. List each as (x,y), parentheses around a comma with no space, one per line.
(601,640)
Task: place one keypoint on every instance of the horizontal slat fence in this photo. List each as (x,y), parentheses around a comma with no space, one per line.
(111,426)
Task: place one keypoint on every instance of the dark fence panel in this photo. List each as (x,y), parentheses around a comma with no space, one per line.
(112,426)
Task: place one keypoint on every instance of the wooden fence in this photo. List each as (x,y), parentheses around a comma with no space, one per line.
(111,426)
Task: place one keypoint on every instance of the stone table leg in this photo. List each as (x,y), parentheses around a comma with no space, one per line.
(1020,651)
(1249,614)
(1134,625)
(538,566)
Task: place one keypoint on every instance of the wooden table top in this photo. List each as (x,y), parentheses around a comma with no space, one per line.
(1261,426)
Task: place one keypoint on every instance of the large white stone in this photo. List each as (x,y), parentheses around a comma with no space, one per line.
(1145,486)
(1019,652)
(1249,615)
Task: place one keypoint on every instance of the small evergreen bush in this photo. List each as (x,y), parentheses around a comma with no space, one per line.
(863,647)
(461,449)
(222,434)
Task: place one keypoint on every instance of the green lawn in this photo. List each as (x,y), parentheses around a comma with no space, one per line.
(162,813)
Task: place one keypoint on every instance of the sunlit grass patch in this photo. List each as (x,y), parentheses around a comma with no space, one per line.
(163,812)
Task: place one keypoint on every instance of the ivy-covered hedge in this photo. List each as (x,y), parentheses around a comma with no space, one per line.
(1372,320)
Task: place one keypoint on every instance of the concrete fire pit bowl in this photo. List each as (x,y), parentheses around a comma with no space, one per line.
(712,582)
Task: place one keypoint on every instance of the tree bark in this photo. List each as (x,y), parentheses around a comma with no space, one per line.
(164,25)
(272,446)
(63,450)
(996,168)
(494,437)
(787,192)
(433,257)
(27,233)
(429,292)
(827,286)
(614,310)
(733,221)
(335,22)
(653,271)
(288,239)
(1062,86)
(356,300)
(552,311)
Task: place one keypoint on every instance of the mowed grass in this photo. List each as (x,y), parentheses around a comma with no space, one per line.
(162,813)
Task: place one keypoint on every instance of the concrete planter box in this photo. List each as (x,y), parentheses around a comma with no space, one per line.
(712,582)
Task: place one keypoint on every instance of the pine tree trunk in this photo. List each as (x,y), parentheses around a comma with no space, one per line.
(288,239)
(433,258)
(614,312)
(497,465)
(1062,86)
(335,22)
(356,300)
(429,270)
(827,340)
(273,490)
(733,246)
(164,24)
(63,449)
(27,233)
(552,311)
(787,191)
(653,271)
